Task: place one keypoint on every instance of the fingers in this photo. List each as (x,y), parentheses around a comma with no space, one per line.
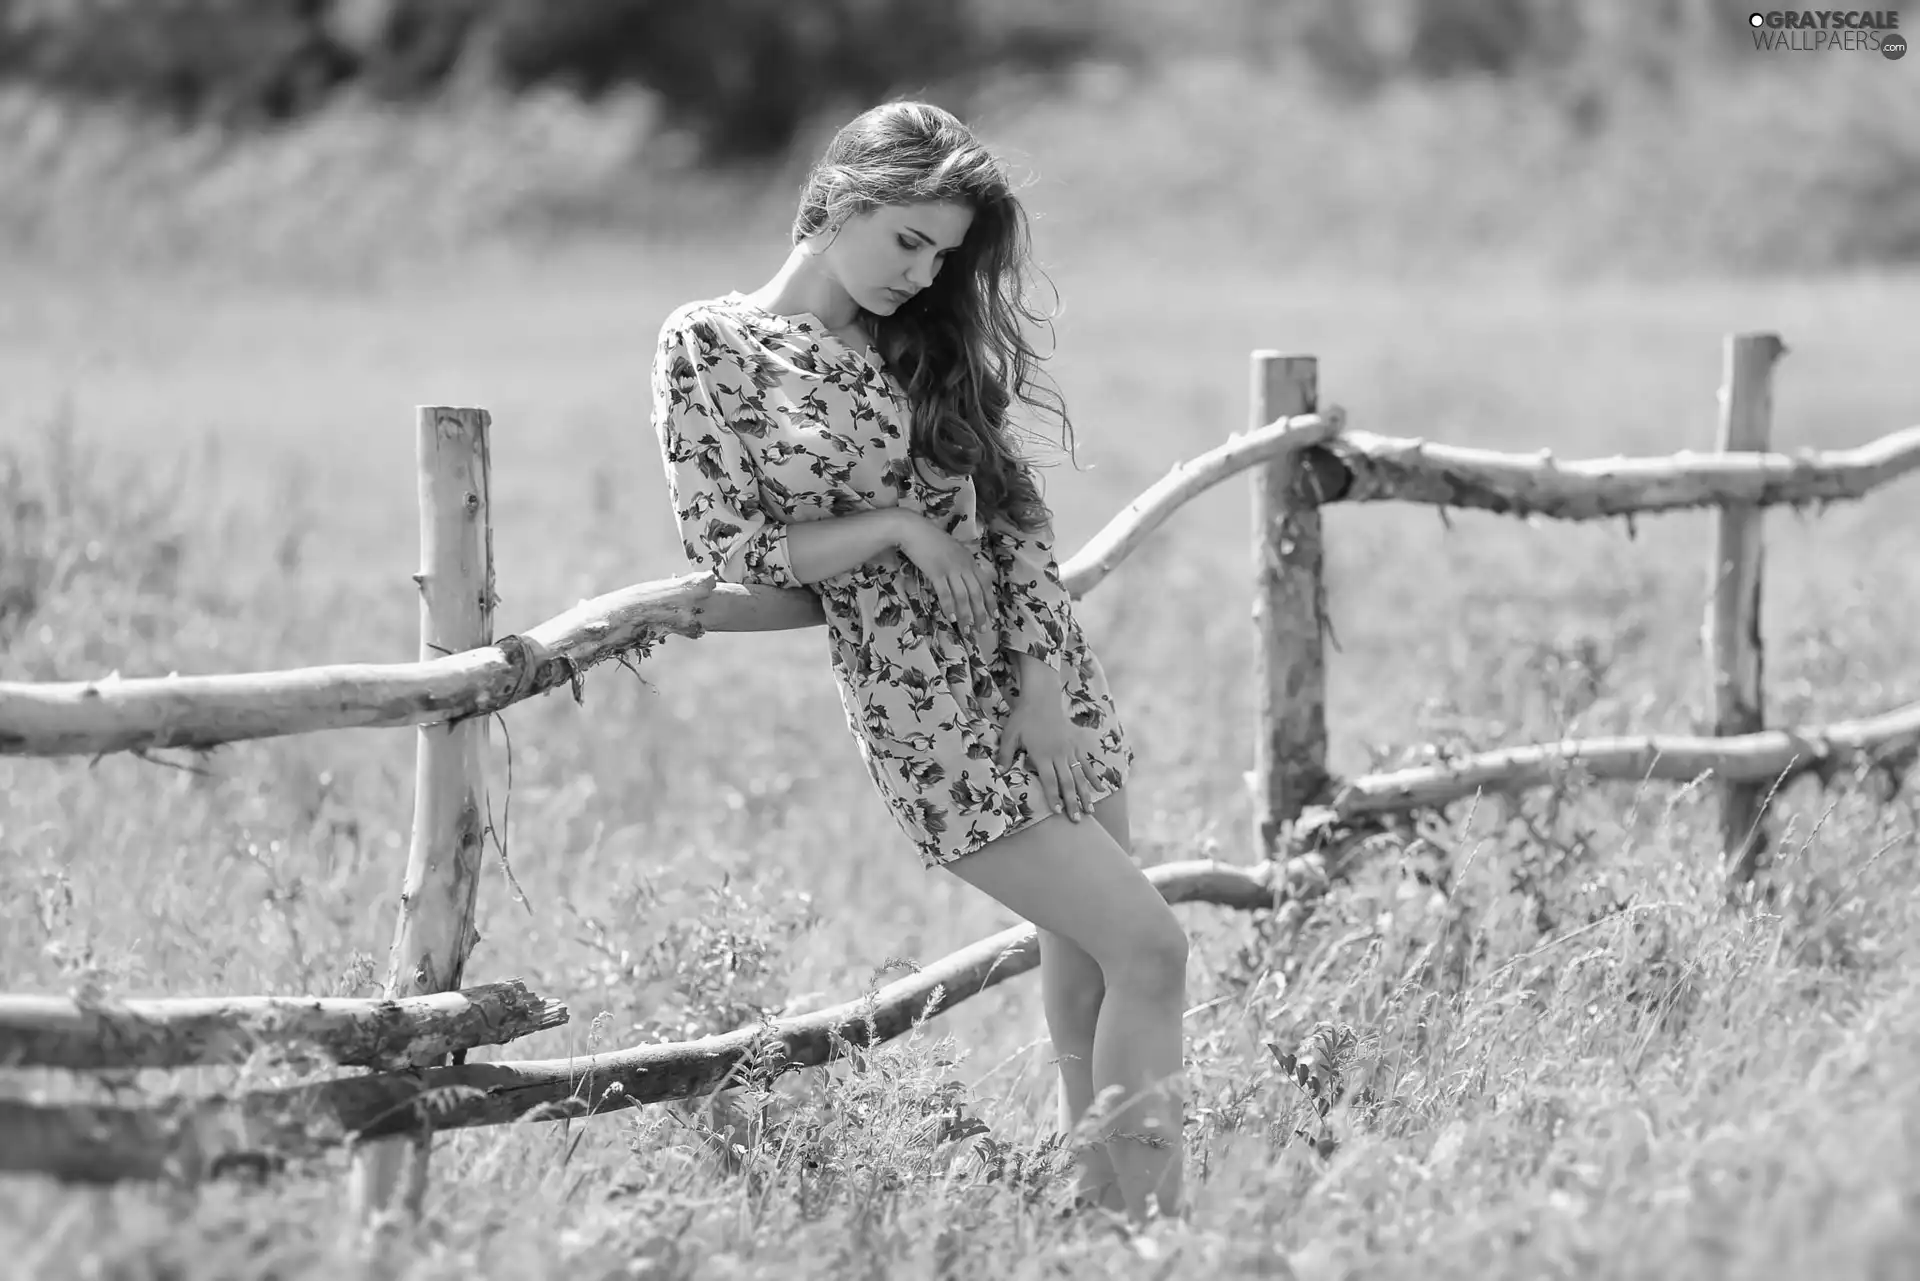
(944,593)
(983,597)
(1083,784)
(1056,792)
(1066,782)
(965,590)
(962,611)
(966,602)
(1068,788)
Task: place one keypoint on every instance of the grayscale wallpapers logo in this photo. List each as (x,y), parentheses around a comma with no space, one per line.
(1829,31)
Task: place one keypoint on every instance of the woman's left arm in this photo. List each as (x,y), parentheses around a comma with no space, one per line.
(1034,606)
(1037,612)
(1039,680)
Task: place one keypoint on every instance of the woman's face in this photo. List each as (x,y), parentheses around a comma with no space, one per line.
(886,255)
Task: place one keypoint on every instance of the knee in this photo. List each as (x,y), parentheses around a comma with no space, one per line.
(1152,960)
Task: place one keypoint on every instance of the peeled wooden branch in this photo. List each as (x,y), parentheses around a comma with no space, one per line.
(434,931)
(1754,758)
(1735,651)
(1289,690)
(147,713)
(115,715)
(1128,529)
(51,1031)
(1384,468)
(192,1138)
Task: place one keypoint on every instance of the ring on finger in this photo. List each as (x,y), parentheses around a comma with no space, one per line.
(1083,783)
(1069,793)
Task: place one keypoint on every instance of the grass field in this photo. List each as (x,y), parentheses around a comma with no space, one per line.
(1587,1067)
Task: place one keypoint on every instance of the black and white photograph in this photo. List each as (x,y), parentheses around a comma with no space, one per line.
(648,640)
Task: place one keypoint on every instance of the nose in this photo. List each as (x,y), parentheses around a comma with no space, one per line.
(921,274)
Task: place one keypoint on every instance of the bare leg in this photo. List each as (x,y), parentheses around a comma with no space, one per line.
(1075,880)
(1071,990)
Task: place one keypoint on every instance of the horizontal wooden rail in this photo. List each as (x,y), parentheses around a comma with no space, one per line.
(116,715)
(1756,758)
(190,1138)
(1185,481)
(113,715)
(1383,468)
(51,1031)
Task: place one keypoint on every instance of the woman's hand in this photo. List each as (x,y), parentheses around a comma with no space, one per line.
(964,589)
(1057,751)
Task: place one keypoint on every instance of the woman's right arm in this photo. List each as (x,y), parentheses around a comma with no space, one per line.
(713,486)
(832,545)
(822,548)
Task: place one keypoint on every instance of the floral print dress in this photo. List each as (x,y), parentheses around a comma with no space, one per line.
(766,420)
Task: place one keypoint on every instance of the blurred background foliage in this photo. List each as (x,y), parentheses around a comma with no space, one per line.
(744,73)
(1657,122)
(740,74)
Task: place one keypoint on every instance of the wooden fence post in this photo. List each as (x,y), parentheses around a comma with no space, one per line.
(435,930)
(1290,672)
(1732,629)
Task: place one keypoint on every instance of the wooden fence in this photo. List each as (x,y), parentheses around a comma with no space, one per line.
(1301,458)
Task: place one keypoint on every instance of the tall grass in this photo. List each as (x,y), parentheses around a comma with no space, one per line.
(1571,1058)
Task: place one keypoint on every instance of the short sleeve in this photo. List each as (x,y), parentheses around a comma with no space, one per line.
(698,385)
(1036,610)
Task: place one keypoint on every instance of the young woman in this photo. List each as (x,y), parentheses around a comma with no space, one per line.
(844,428)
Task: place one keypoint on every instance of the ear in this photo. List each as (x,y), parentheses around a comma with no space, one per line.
(822,240)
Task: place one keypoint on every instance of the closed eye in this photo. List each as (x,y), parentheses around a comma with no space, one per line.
(910,246)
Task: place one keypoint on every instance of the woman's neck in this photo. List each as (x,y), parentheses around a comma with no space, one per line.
(800,286)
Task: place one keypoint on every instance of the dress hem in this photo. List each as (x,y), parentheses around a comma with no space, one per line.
(930,864)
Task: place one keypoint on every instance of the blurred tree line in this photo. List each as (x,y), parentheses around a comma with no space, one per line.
(743,75)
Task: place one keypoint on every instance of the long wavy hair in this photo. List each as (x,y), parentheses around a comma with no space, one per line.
(957,347)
